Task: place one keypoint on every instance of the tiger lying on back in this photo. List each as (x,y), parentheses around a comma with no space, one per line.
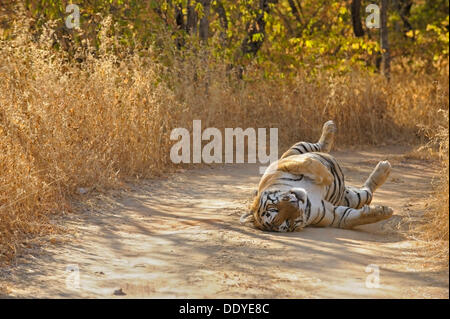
(305,187)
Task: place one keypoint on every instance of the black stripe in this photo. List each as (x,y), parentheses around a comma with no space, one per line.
(301,145)
(314,221)
(341,184)
(331,192)
(336,176)
(346,200)
(369,197)
(324,213)
(261,204)
(292,179)
(337,190)
(343,216)
(308,147)
(334,215)
(308,209)
(359,200)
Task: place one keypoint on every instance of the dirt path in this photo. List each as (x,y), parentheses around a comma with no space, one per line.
(180,237)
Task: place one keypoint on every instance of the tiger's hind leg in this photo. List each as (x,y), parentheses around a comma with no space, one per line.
(348,217)
(358,197)
(323,145)
(378,176)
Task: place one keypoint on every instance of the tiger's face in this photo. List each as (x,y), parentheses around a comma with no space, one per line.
(280,211)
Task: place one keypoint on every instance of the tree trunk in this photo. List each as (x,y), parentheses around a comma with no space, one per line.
(356,18)
(179,16)
(386,57)
(179,19)
(295,11)
(404,10)
(192,18)
(220,9)
(204,21)
(249,44)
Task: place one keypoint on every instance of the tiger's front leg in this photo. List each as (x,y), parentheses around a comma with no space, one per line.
(348,217)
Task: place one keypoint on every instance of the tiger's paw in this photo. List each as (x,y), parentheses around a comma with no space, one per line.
(381,211)
(379,175)
(326,140)
(329,127)
(376,213)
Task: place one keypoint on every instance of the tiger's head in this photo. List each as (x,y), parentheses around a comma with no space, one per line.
(281,211)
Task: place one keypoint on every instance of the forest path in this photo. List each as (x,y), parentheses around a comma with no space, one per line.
(180,237)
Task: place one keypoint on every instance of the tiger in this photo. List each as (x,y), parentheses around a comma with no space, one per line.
(306,187)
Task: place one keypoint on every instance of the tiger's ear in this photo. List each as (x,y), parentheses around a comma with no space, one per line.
(300,193)
(246,217)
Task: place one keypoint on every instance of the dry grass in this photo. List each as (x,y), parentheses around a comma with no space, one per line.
(436,227)
(95,123)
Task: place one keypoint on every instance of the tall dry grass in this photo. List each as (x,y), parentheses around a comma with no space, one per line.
(435,229)
(94,122)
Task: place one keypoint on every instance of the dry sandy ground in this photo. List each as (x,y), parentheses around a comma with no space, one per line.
(180,238)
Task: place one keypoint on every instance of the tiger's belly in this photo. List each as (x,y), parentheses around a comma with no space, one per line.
(287,181)
(333,193)
(316,193)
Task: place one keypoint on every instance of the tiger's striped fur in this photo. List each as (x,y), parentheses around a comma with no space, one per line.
(306,187)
